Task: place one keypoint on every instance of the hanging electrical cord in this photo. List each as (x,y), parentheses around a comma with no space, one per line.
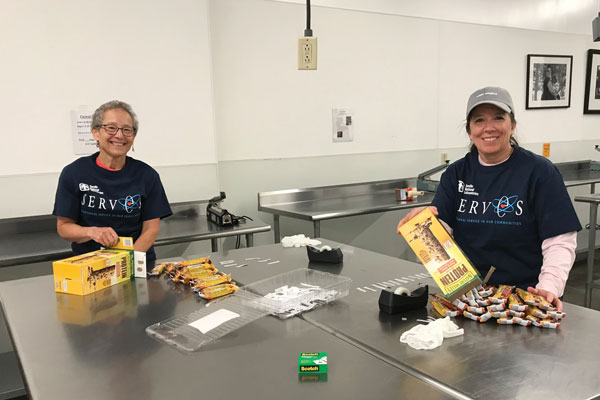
(307,45)
(308,31)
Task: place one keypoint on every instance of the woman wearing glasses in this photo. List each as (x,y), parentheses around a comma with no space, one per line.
(109,194)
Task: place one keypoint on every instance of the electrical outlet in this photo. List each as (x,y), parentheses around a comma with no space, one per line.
(307,52)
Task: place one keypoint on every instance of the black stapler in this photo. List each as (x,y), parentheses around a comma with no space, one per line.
(392,303)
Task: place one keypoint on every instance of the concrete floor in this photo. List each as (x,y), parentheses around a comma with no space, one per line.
(575,289)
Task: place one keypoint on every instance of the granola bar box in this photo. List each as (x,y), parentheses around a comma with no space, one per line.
(447,264)
(90,272)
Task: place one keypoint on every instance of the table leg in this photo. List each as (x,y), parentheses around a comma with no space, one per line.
(276,228)
(214,244)
(593,189)
(590,258)
(317,229)
(249,239)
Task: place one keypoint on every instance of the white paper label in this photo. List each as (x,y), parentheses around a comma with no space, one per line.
(211,321)
(81,129)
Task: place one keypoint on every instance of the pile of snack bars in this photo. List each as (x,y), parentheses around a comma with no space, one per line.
(509,308)
(200,274)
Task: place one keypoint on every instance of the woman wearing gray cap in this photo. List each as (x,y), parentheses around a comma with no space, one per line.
(506,206)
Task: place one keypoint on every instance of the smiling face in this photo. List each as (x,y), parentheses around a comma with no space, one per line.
(490,129)
(114,146)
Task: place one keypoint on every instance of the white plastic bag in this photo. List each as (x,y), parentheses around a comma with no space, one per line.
(431,335)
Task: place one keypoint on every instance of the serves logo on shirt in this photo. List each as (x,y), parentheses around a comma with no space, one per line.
(128,203)
(500,206)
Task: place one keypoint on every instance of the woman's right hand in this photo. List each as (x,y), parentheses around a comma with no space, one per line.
(106,236)
(414,212)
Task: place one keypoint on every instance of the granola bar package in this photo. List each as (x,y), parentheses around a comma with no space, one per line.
(478,318)
(502,294)
(515,303)
(213,292)
(544,304)
(443,310)
(527,297)
(501,314)
(556,315)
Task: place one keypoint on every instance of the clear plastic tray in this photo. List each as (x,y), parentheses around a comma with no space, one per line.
(250,304)
(179,333)
(322,288)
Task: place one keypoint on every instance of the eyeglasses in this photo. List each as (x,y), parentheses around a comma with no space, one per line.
(112,130)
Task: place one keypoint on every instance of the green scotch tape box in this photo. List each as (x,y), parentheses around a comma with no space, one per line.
(312,363)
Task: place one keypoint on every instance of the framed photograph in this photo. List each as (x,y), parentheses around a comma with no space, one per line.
(591,103)
(548,81)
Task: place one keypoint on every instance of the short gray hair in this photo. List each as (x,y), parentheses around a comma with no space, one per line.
(111,105)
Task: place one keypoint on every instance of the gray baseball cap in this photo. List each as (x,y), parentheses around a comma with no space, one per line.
(491,95)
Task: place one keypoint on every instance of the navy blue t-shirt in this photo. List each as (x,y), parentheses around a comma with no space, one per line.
(501,214)
(122,200)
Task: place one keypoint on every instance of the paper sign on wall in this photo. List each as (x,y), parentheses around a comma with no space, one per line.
(343,130)
(81,128)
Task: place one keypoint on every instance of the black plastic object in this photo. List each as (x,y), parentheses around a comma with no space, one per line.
(391,303)
(328,256)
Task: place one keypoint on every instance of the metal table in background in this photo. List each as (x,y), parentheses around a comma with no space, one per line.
(95,347)
(580,173)
(188,225)
(593,200)
(328,202)
(34,239)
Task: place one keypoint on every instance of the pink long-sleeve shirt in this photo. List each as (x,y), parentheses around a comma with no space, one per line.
(558,253)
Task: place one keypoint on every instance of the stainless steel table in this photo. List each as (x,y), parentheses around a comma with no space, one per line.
(593,200)
(34,239)
(11,383)
(187,226)
(490,361)
(328,202)
(580,173)
(95,347)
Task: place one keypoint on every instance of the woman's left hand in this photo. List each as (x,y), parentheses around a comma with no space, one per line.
(551,297)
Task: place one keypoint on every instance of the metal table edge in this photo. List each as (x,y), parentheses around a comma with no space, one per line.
(345,213)
(212,235)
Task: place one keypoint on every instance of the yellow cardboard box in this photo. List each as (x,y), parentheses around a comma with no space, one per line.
(87,273)
(448,265)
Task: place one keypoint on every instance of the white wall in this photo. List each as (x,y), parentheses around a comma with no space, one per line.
(59,55)
(406,68)
(283,112)
(572,16)
(407,79)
